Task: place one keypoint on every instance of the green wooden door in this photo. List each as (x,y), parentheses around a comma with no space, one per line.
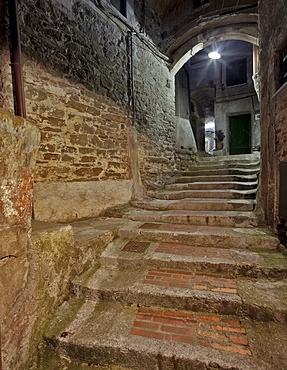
(240,134)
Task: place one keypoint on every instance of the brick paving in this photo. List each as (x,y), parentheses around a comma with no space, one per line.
(193,251)
(212,331)
(191,280)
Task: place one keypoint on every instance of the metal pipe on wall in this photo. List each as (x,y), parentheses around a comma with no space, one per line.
(131,74)
(16,60)
(142,26)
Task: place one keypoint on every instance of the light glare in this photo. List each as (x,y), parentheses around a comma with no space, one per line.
(214,55)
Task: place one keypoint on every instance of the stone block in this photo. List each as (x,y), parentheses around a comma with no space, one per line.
(66,201)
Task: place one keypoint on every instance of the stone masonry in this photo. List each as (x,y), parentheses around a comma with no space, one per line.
(18,148)
(84,127)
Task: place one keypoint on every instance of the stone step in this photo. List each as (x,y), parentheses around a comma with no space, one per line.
(254,157)
(200,235)
(197,204)
(225,166)
(143,254)
(224,178)
(218,172)
(205,193)
(218,185)
(187,290)
(216,218)
(152,338)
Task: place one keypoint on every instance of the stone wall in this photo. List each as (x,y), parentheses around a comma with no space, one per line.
(18,147)
(273,32)
(84,153)
(81,78)
(154,115)
(35,268)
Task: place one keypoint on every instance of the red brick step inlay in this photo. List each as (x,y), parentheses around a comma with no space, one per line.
(193,251)
(213,331)
(189,280)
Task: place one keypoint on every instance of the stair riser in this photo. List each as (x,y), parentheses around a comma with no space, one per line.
(198,206)
(227,166)
(228,179)
(212,186)
(203,194)
(239,221)
(242,241)
(218,172)
(231,161)
(230,269)
(197,303)
(105,355)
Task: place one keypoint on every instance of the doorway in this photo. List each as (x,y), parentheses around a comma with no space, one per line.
(240,134)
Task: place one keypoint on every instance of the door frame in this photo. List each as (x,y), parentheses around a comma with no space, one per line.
(250,128)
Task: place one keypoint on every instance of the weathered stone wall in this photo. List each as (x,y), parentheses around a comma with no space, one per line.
(273,32)
(35,272)
(18,147)
(80,64)
(155,115)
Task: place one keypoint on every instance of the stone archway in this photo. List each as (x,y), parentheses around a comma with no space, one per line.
(201,40)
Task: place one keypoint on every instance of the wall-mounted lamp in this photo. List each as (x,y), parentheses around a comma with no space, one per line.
(214,55)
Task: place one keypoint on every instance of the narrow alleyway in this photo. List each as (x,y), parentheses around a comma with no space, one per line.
(191,280)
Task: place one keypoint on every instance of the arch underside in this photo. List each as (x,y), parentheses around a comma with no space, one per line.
(205,33)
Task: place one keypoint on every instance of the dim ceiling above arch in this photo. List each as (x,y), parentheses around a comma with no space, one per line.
(190,25)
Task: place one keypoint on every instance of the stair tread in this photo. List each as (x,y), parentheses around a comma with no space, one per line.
(200,234)
(202,193)
(215,218)
(134,213)
(222,182)
(213,170)
(202,204)
(146,337)
(223,166)
(177,288)
(241,157)
(212,218)
(170,227)
(194,200)
(200,258)
(199,191)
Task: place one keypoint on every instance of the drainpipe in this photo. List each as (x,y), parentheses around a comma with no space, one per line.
(142,27)
(131,75)
(16,60)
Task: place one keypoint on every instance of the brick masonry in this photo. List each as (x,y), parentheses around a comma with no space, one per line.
(83,135)
(213,331)
(191,280)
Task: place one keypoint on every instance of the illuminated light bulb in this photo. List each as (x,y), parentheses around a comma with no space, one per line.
(214,55)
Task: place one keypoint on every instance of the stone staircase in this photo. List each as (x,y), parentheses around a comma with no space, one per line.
(190,282)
